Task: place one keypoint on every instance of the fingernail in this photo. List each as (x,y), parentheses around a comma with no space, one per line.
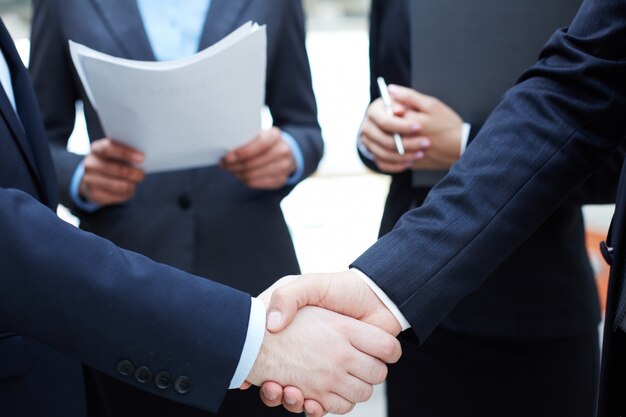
(393,89)
(423,143)
(272,396)
(415,127)
(274,319)
(290,401)
(418,155)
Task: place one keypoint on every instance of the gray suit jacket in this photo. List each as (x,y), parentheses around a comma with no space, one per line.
(203,220)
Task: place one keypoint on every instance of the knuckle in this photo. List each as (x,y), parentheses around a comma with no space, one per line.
(90,161)
(388,348)
(380,374)
(284,151)
(121,170)
(278,296)
(122,187)
(343,407)
(430,103)
(343,359)
(365,392)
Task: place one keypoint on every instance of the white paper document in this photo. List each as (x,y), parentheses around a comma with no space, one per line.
(184,113)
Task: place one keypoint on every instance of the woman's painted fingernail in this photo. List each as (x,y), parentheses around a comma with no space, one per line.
(423,143)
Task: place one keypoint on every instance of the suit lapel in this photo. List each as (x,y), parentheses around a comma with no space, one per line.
(8,114)
(28,129)
(122,19)
(223,18)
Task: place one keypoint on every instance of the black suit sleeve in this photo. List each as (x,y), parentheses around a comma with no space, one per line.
(290,90)
(561,123)
(100,304)
(55,88)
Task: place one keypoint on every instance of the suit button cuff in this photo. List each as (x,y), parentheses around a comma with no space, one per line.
(163,380)
(143,374)
(182,385)
(125,367)
(607,252)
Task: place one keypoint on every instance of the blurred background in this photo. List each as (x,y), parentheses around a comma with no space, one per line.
(334,215)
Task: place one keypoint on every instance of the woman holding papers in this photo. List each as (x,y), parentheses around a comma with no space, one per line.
(526,342)
(224,222)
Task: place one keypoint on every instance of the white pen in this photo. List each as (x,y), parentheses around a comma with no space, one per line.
(384,94)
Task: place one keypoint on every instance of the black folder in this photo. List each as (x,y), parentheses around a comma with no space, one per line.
(469,52)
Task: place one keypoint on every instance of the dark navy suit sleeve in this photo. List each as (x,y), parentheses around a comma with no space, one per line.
(100,304)
(55,88)
(289,88)
(560,124)
(600,188)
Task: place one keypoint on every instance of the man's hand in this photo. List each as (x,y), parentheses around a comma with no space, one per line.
(343,292)
(333,359)
(111,175)
(264,163)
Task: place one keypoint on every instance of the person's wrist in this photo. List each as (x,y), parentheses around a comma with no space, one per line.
(253,344)
(83,192)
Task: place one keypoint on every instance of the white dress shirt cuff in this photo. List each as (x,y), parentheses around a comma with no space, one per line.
(252,345)
(465,132)
(391,306)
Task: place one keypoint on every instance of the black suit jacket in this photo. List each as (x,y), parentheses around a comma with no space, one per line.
(65,294)
(560,124)
(205,220)
(545,288)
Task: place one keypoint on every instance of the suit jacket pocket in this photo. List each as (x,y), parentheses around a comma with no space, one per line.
(13,356)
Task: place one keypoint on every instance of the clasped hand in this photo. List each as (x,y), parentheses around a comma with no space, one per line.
(431,132)
(317,360)
(264,163)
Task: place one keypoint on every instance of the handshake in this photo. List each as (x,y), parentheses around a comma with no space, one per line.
(327,343)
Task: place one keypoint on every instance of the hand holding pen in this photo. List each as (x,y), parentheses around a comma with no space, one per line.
(430,131)
(384,95)
(389,138)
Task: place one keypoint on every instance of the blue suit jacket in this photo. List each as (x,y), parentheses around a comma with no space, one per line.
(204,221)
(560,124)
(542,290)
(65,294)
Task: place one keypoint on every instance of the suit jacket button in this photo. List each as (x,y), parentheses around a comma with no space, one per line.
(143,374)
(163,380)
(125,367)
(184,202)
(182,385)
(607,252)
